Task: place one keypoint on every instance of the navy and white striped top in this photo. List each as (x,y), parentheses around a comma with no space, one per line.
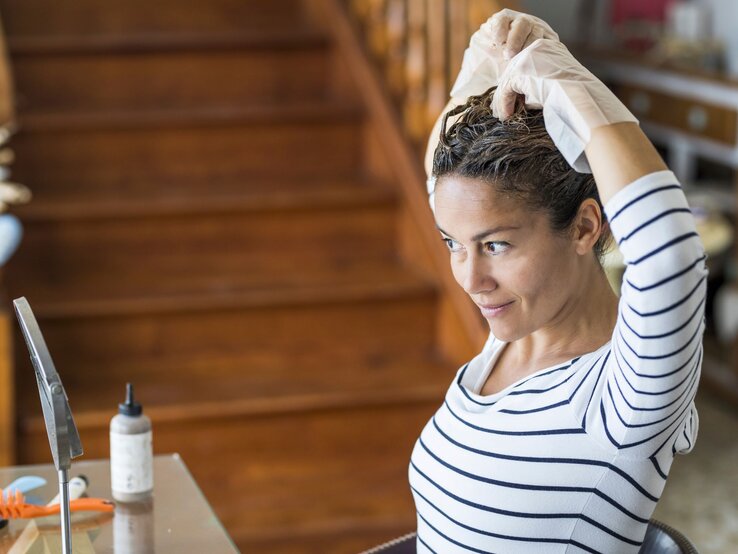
(573,458)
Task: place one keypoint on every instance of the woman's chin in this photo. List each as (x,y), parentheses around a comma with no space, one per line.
(503,332)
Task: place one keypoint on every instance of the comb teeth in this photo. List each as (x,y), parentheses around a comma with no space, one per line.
(19,499)
(10,507)
(4,510)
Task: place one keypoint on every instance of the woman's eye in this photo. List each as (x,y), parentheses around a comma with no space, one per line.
(496,247)
(451,244)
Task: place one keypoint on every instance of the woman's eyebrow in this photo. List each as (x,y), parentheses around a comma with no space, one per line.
(486,233)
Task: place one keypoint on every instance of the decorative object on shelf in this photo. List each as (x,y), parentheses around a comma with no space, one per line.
(638,23)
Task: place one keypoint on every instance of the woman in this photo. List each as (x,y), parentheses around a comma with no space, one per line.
(559,435)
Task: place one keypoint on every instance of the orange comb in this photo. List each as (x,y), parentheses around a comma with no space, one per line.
(15,506)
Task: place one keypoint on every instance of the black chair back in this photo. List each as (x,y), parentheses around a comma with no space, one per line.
(660,539)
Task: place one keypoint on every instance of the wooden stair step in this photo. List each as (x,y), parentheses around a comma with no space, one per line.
(189,197)
(277,38)
(302,286)
(44,18)
(179,77)
(174,393)
(156,118)
(216,253)
(291,475)
(56,151)
(200,290)
(334,323)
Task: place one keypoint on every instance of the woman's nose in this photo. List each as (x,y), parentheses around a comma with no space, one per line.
(477,276)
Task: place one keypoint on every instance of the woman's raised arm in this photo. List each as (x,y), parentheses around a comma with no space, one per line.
(641,402)
(618,155)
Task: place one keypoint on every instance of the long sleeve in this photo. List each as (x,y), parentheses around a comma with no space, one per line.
(642,402)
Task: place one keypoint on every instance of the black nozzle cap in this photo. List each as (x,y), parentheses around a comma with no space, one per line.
(131,407)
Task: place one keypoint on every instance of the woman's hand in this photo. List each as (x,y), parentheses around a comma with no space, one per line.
(593,130)
(491,47)
(574,101)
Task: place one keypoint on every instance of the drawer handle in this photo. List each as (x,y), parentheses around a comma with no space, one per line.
(697,118)
(640,102)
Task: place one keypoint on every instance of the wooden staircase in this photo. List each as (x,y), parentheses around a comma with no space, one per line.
(214,221)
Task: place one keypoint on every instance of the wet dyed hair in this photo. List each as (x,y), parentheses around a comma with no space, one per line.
(518,158)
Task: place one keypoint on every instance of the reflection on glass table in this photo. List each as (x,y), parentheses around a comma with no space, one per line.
(177,519)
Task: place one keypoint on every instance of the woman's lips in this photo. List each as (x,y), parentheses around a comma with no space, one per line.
(490,310)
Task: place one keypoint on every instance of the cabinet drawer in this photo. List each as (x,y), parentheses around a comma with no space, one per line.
(691,116)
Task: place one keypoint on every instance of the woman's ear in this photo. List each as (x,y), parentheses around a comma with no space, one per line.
(588,226)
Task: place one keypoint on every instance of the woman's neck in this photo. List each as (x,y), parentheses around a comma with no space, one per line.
(584,324)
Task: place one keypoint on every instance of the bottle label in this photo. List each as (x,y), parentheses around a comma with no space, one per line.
(131,462)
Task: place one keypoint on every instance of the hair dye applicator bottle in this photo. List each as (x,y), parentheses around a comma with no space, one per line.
(131,452)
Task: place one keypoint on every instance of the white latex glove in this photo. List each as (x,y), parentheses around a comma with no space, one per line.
(498,39)
(491,47)
(574,101)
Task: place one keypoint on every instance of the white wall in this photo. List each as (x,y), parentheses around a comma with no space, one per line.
(560,14)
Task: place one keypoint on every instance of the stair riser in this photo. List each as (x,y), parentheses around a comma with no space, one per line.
(276,475)
(200,252)
(46,18)
(177,80)
(79,160)
(344,333)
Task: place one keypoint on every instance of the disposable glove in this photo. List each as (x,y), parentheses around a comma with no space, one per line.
(491,47)
(574,101)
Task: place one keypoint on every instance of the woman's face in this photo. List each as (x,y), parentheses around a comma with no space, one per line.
(507,258)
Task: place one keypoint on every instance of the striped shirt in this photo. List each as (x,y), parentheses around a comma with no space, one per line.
(573,458)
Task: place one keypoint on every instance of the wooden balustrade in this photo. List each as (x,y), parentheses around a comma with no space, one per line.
(419,44)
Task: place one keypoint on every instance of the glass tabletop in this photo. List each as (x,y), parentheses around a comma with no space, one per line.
(177,519)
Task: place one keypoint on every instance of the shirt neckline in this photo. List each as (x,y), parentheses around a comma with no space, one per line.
(484,374)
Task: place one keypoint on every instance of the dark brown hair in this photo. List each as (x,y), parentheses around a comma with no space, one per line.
(518,158)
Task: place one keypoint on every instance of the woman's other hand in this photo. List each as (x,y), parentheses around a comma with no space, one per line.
(497,41)
(574,101)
